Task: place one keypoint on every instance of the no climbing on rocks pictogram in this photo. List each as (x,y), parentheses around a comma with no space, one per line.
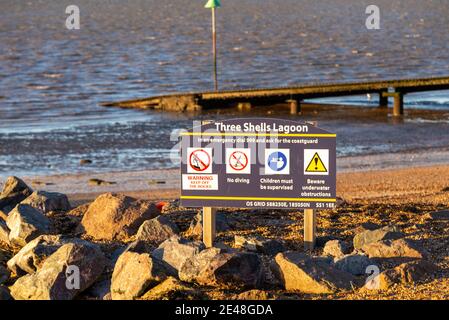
(200,160)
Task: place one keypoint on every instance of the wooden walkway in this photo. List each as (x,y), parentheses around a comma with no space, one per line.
(244,99)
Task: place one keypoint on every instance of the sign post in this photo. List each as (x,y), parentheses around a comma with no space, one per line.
(309,229)
(209,226)
(258,163)
(212,4)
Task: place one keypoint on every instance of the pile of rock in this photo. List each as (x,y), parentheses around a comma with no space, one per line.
(24,212)
(128,249)
(397,260)
(47,265)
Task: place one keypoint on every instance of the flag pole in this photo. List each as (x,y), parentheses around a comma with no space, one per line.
(212,4)
(214,48)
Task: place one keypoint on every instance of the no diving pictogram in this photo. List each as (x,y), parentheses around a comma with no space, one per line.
(199,160)
(238,160)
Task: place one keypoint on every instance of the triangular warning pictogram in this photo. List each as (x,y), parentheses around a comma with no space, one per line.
(316,164)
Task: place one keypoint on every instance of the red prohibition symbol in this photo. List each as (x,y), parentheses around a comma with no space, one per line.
(199,160)
(238,160)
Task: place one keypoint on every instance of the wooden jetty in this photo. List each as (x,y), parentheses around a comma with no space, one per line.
(293,96)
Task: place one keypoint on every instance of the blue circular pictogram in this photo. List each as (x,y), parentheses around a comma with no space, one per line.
(277,161)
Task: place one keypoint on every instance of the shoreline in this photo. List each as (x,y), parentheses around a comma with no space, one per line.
(367,137)
(415,183)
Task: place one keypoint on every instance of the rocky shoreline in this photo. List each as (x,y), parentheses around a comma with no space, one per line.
(121,248)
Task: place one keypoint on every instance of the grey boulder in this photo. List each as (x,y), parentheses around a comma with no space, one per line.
(222,268)
(371,236)
(301,273)
(157,230)
(395,249)
(134,273)
(31,257)
(25,224)
(48,201)
(355,264)
(176,251)
(14,191)
(69,271)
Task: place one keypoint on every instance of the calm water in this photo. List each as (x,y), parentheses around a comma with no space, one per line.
(52,79)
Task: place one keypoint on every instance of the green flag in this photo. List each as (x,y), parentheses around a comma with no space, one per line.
(212,4)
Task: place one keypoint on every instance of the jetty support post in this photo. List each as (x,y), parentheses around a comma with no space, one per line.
(295,107)
(244,106)
(309,229)
(398,106)
(209,226)
(383,100)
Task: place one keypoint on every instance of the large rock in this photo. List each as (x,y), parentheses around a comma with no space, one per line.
(222,268)
(406,273)
(14,191)
(354,264)
(258,244)
(335,248)
(175,251)
(391,249)
(116,217)
(4,233)
(31,257)
(4,274)
(157,230)
(196,226)
(48,201)
(53,282)
(134,273)
(302,273)
(370,236)
(26,223)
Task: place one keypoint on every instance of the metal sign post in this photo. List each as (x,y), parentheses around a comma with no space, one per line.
(212,4)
